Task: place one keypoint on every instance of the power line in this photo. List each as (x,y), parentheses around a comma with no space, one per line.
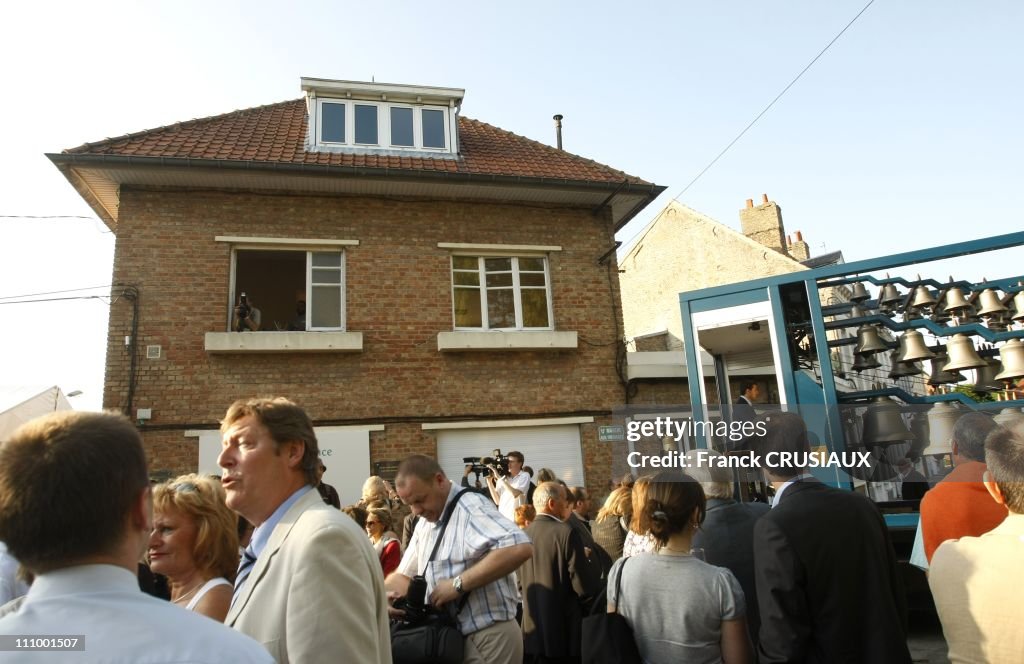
(56,292)
(758,117)
(44,216)
(58,299)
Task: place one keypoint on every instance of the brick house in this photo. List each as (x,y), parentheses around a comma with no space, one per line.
(460,288)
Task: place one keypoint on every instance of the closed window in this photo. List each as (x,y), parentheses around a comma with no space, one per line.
(378,124)
(501,292)
(294,290)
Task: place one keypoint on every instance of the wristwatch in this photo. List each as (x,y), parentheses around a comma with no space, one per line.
(457,584)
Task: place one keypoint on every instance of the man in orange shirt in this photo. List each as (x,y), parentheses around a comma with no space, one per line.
(959,505)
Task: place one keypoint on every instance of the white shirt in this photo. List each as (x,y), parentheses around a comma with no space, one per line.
(10,586)
(782,489)
(475,529)
(506,501)
(120,623)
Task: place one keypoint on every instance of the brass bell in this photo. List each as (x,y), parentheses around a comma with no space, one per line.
(865,361)
(1012,356)
(1018,306)
(938,376)
(1009,417)
(857,311)
(923,298)
(889,296)
(962,354)
(956,301)
(901,369)
(990,304)
(913,347)
(859,292)
(868,340)
(942,418)
(883,423)
(985,381)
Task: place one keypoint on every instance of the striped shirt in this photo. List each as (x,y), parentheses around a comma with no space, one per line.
(476,528)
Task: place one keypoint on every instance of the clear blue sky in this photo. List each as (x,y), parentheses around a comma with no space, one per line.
(905,134)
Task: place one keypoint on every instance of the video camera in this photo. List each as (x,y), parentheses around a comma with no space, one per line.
(481,464)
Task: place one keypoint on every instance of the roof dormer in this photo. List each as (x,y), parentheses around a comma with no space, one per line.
(382,118)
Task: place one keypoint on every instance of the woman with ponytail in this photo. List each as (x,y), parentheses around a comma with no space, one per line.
(681,609)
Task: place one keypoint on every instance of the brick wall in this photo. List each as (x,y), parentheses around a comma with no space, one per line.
(398,295)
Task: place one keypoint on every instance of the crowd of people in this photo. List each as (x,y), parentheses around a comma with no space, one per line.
(264,564)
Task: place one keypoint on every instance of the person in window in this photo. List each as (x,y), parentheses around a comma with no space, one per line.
(247,316)
(298,324)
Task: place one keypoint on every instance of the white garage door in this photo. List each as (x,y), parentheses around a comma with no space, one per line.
(555,447)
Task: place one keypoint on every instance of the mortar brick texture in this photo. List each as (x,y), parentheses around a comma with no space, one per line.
(398,294)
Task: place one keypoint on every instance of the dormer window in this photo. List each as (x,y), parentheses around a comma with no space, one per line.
(381,117)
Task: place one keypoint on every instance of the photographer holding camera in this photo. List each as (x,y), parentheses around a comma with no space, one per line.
(468,571)
(247,316)
(509,489)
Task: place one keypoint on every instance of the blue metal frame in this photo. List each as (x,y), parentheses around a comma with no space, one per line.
(758,290)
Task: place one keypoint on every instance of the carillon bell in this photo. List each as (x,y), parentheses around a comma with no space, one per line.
(956,301)
(857,311)
(889,296)
(962,354)
(868,340)
(985,381)
(901,369)
(883,423)
(938,375)
(923,298)
(864,361)
(1009,417)
(913,347)
(942,418)
(990,304)
(859,292)
(1012,356)
(1018,306)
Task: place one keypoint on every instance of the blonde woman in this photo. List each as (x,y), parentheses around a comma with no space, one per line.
(385,542)
(612,521)
(194,543)
(638,539)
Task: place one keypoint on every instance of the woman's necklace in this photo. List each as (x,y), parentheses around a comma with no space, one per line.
(669,551)
(189,593)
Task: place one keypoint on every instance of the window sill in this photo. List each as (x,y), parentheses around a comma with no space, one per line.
(284,342)
(518,340)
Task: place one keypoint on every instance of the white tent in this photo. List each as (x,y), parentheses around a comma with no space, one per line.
(19,404)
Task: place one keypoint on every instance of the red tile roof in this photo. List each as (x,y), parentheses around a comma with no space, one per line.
(276,133)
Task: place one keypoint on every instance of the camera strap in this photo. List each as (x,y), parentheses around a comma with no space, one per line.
(445,518)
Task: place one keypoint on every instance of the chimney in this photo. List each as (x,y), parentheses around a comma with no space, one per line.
(558,130)
(763,224)
(799,249)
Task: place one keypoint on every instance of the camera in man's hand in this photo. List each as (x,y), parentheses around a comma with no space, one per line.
(414,604)
(243,309)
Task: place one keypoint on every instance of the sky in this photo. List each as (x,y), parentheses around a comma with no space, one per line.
(905,134)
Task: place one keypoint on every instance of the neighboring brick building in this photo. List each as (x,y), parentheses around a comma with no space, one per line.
(662,264)
(460,290)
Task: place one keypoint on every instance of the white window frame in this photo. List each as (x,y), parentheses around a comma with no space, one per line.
(516,289)
(309,251)
(383,125)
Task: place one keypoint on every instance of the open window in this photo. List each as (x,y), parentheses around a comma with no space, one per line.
(294,290)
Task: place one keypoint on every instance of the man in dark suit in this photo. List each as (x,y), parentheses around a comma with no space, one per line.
(825,570)
(553,581)
(913,484)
